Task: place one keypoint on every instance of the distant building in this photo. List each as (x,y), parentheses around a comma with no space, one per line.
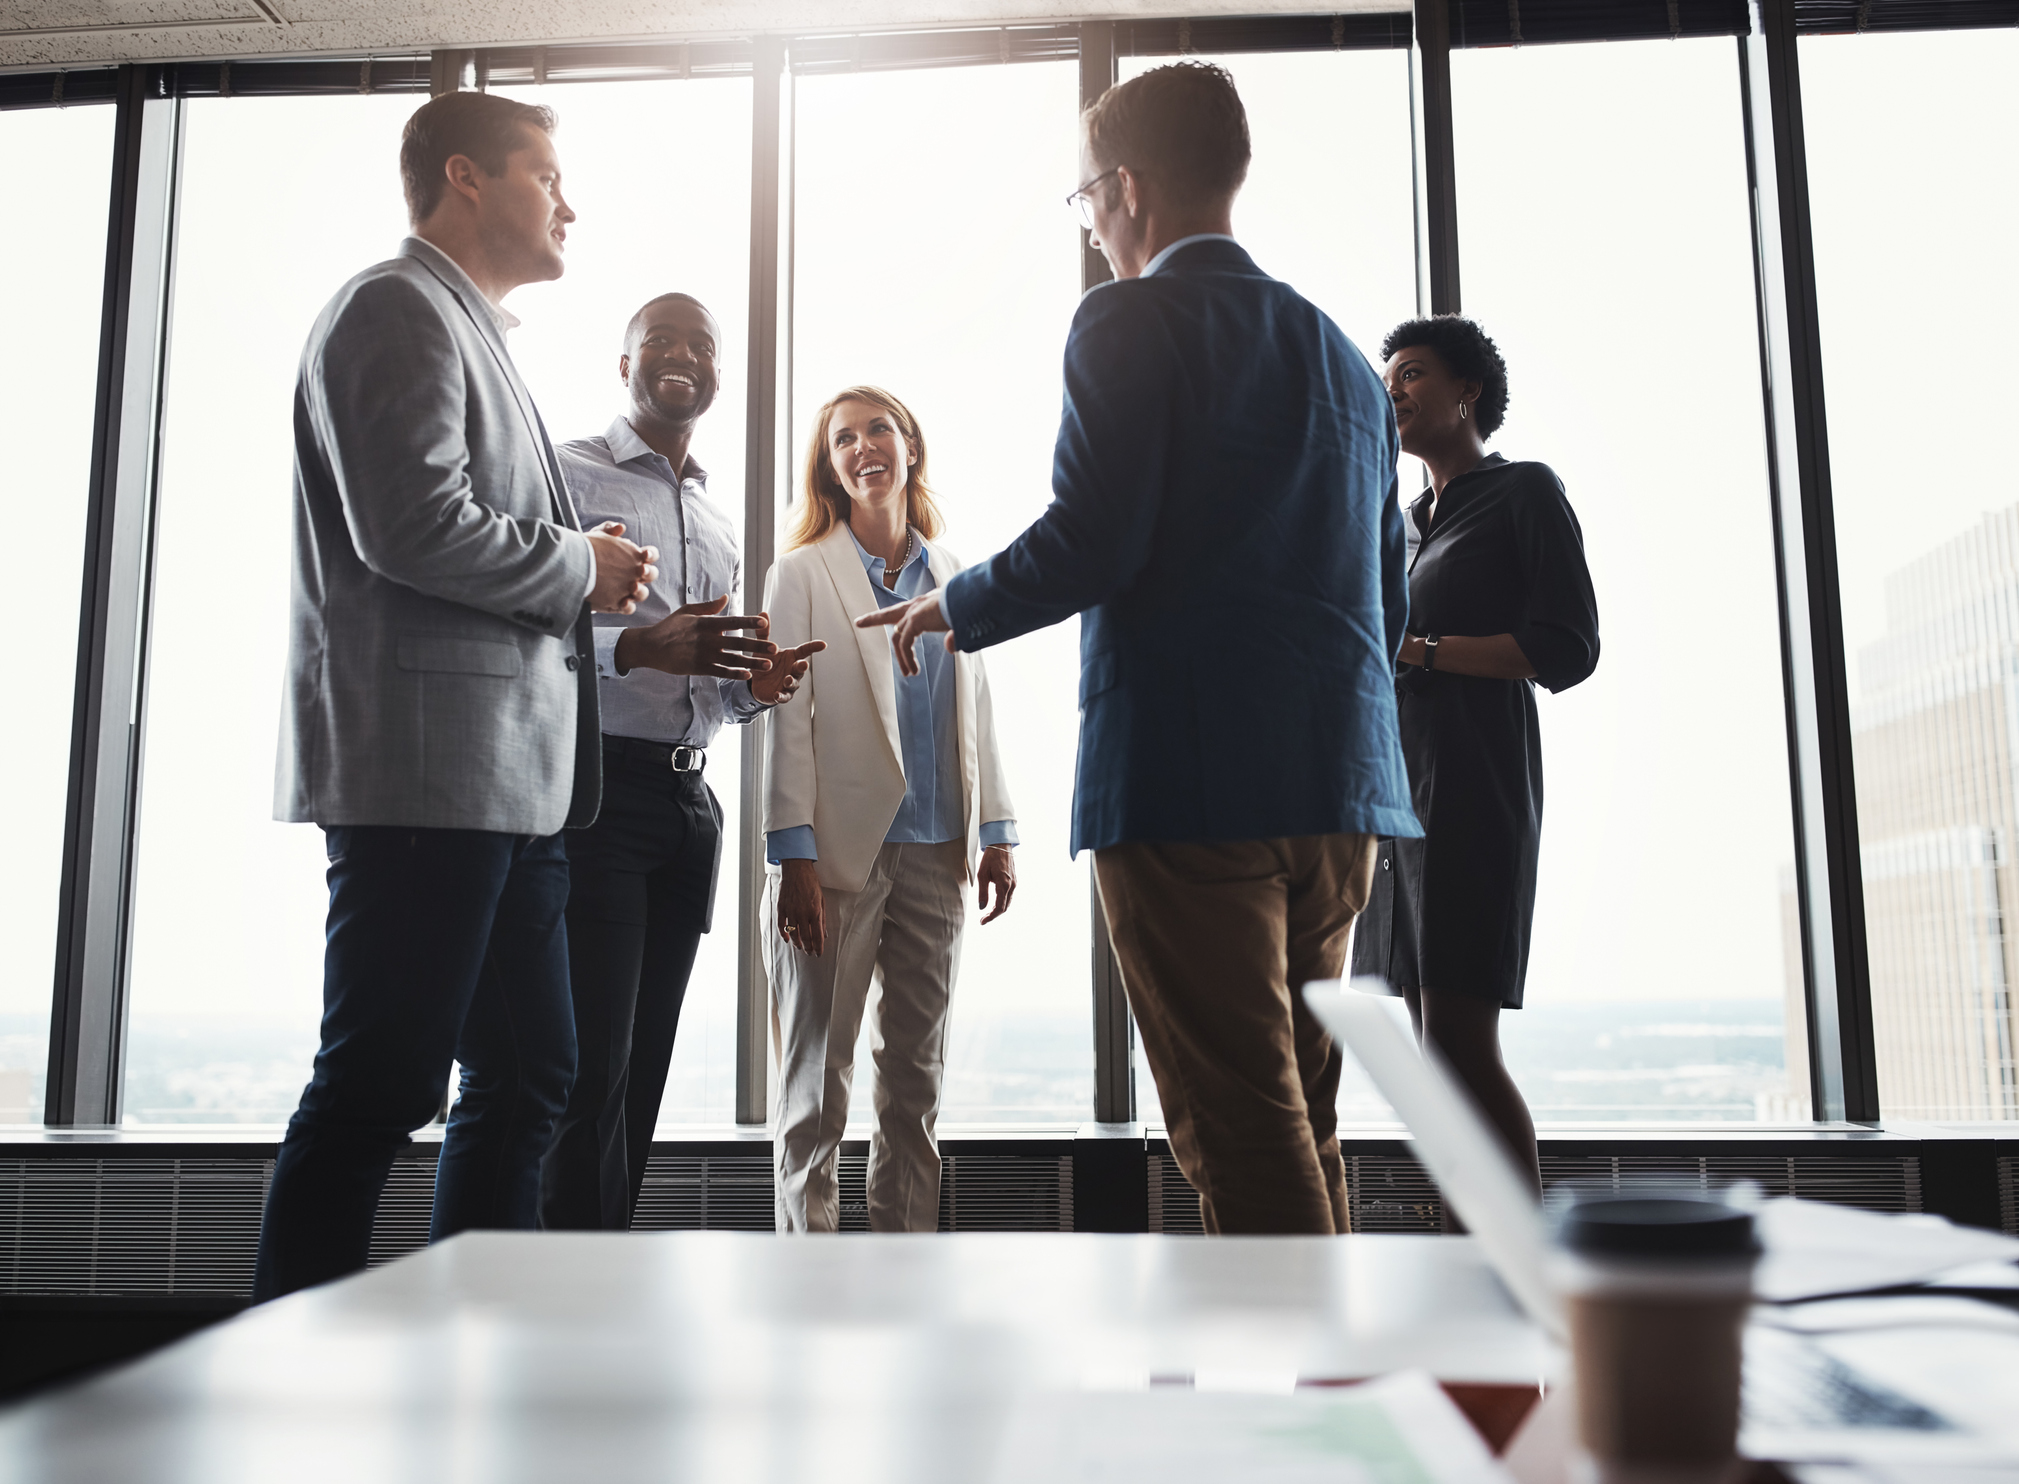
(1936,734)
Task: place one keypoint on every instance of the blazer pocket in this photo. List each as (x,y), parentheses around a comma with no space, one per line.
(1101,672)
(460,656)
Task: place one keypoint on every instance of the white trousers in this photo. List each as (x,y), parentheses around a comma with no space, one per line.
(903,928)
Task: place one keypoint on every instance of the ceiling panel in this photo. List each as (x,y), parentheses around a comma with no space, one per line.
(56,33)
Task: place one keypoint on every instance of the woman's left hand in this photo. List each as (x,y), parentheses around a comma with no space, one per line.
(998,870)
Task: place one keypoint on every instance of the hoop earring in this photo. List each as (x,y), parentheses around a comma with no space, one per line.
(1463,412)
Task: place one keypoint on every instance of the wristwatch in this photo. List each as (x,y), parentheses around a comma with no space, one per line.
(1430,650)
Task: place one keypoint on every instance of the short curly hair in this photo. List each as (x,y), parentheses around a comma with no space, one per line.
(1470,354)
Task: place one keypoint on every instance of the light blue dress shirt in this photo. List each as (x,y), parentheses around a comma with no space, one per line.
(932,810)
(620,477)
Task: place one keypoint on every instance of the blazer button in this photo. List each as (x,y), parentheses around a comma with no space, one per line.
(572,662)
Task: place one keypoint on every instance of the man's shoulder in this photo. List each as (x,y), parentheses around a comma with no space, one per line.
(396,289)
(591,450)
(1174,301)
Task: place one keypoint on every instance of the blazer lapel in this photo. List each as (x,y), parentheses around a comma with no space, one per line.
(487,330)
(851,584)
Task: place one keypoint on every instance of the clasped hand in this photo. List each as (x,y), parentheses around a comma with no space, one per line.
(624,570)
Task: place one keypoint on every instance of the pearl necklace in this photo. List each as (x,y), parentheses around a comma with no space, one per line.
(910,551)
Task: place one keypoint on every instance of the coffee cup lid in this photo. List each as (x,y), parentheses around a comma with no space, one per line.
(1657,1227)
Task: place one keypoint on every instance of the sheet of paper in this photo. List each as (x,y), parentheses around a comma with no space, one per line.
(1398,1430)
(1815,1249)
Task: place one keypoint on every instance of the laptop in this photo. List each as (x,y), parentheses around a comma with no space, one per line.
(1452,1141)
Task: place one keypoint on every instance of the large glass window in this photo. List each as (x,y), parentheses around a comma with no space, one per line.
(227,962)
(934,257)
(229,904)
(660,172)
(53,267)
(1605,241)
(1909,163)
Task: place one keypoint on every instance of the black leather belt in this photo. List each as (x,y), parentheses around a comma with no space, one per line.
(680,758)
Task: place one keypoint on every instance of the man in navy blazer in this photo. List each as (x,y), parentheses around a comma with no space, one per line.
(1224,515)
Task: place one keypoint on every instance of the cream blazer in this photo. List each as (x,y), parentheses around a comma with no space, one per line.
(832,756)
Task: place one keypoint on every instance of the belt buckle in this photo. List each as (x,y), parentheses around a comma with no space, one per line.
(687,759)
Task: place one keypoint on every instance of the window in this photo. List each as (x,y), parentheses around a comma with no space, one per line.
(227,968)
(653,223)
(54,264)
(1908,141)
(938,262)
(228,904)
(1611,261)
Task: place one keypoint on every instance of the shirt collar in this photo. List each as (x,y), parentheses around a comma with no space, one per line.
(626,445)
(1419,508)
(420,247)
(1183,242)
(875,564)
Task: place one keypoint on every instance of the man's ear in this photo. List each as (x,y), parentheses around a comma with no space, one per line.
(1131,195)
(462,173)
(624,368)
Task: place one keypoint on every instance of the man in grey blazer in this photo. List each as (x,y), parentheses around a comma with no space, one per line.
(440,721)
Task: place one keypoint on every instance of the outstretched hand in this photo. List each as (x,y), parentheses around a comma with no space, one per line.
(699,639)
(776,686)
(912,622)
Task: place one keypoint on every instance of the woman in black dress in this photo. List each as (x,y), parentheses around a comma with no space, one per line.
(1499,600)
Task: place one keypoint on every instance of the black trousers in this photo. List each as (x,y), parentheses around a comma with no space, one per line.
(443,945)
(642,893)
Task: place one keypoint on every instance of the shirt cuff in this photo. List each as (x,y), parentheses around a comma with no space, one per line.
(739,703)
(590,591)
(999,832)
(795,844)
(606,651)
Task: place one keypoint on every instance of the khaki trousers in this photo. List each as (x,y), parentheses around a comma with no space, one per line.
(1215,942)
(903,927)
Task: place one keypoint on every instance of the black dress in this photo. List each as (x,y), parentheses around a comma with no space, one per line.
(1453,909)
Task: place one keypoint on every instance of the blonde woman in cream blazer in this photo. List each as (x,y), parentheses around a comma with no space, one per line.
(885,798)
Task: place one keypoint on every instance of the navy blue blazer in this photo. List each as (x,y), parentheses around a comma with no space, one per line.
(1224,512)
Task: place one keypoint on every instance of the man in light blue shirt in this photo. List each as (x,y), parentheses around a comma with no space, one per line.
(931,811)
(642,877)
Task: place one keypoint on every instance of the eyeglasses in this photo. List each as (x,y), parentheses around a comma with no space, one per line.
(1083,202)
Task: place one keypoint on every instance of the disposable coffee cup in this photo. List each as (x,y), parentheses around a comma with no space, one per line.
(1656,1289)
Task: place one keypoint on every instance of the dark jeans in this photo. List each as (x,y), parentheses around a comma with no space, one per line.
(443,945)
(642,895)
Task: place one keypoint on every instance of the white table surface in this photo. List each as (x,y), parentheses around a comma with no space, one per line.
(722,1356)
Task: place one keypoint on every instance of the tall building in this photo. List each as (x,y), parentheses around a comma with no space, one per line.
(1936,732)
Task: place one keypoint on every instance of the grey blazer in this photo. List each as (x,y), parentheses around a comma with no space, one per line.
(439,652)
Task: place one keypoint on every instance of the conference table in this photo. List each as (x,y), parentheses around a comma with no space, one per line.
(501,1357)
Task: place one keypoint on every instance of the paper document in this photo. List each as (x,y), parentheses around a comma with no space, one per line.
(1399,1430)
(1815,1249)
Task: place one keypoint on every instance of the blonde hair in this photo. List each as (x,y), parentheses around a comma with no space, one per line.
(823,503)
